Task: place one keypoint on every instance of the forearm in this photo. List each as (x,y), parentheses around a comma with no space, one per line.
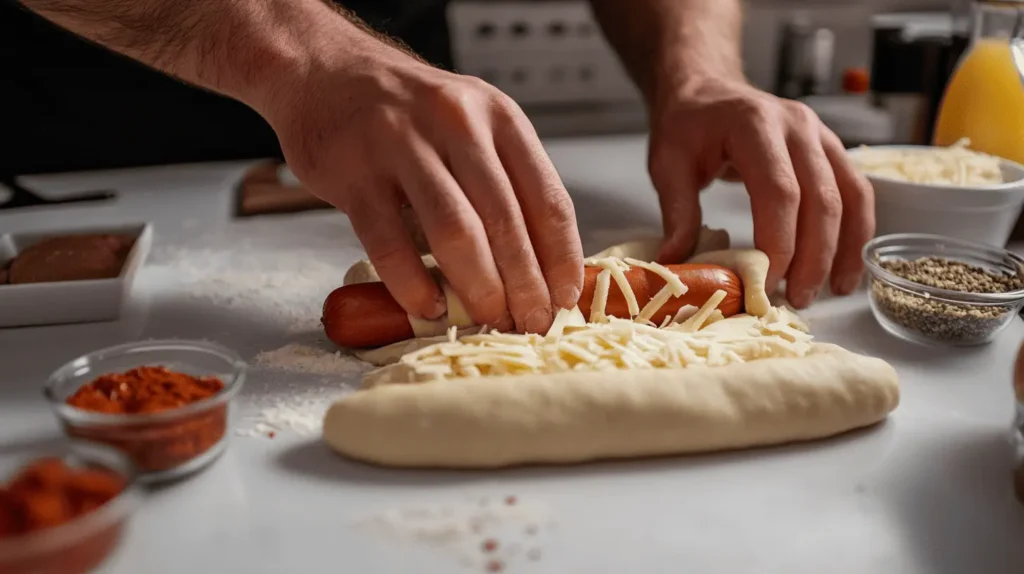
(666,43)
(240,48)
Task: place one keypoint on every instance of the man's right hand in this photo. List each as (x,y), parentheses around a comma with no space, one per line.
(373,133)
(369,128)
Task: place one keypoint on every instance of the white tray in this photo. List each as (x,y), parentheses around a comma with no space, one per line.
(70,301)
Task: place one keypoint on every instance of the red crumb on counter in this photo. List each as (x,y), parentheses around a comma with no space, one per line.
(511,500)
(495,566)
(490,545)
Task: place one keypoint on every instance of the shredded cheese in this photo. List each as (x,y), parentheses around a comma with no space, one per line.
(616,267)
(954,165)
(694,323)
(693,336)
(616,344)
(601,288)
(655,304)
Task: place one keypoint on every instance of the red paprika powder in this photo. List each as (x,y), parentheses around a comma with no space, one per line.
(49,493)
(164,442)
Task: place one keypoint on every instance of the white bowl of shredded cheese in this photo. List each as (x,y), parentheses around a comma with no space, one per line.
(951,191)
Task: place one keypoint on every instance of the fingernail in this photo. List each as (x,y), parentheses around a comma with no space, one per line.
(849,284)
(440,308)
(539,320)
(566,297)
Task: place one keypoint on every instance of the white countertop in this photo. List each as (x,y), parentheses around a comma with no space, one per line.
(929,491)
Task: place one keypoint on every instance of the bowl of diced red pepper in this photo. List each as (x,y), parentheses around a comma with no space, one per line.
(63,509)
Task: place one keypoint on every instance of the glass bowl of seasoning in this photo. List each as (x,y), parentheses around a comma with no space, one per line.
(63,509)
(937,290)
(166,404)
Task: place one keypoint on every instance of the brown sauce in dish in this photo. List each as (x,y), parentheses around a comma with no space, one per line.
(70,258)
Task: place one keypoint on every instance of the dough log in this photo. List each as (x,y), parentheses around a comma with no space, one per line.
(578,417)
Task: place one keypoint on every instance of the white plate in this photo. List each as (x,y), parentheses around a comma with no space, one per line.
(66,302)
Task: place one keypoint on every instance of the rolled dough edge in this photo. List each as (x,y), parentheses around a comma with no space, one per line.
(579,417)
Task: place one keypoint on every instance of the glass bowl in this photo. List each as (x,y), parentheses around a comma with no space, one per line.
(164,445)
(85,542)
(933,316)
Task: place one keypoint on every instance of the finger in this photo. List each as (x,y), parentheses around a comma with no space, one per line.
(378,225)
(455,233)
(858,223)
(820,212)
(478,170)
(678,187)
(547,208)
(761,156)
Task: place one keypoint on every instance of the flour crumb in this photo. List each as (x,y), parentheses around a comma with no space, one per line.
(306,359)
(479,535)
(288,407)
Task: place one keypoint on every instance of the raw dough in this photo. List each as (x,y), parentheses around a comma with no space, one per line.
(391,353)
(647,249)
(751,266)
(576,417)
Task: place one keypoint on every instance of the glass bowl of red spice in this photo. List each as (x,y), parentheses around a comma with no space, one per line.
(63,509)
(166,404)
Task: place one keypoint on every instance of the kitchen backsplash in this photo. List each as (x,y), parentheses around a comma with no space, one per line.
(549,56)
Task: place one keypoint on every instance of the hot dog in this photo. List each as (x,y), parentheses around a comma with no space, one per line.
(365,315)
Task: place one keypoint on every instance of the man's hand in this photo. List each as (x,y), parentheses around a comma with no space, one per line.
(370,128)
(392,131)
(813,211)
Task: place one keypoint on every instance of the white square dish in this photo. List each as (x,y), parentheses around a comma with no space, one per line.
(66,302)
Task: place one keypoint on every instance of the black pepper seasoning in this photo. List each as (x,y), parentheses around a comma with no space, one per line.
(943,320)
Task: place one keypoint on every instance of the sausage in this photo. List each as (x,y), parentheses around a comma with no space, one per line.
(702,279)
(365,315)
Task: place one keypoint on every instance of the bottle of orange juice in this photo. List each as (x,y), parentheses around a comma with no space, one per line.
(984,100)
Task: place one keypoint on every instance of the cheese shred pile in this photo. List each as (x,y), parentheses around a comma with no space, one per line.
(953,165)
(694,336)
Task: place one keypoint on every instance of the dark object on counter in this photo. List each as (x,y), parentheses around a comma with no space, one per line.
(262,192)
(805,58)
(71,258)
(23,197)
(913,58)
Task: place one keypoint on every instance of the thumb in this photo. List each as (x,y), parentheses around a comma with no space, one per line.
(679,197)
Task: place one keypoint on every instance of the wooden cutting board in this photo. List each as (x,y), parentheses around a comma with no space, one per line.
(262,192)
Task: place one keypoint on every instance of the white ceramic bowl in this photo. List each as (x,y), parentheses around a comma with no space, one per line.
(979,214)
(65,302)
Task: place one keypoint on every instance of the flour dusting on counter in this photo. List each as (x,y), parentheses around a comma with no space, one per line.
(301,414)
(286,287)
(485,534)
(300,383)
(307,359)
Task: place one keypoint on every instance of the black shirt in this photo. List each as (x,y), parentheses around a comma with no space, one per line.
(66,104)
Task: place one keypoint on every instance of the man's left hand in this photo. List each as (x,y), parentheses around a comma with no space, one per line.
(813,211)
